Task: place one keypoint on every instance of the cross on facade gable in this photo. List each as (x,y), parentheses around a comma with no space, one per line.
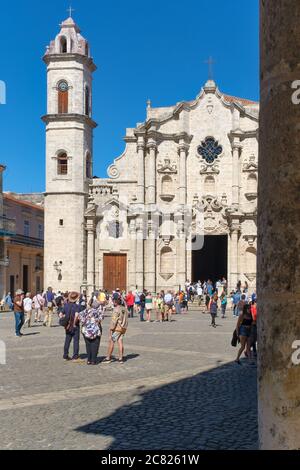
(70,10)
(210,63)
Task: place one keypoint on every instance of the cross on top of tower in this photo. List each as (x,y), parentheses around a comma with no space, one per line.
(70,10)
(210,63)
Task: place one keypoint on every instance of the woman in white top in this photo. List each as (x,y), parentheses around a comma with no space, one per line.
(27,303)
(37,306)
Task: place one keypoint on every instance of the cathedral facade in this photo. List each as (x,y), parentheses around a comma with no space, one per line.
(179,204)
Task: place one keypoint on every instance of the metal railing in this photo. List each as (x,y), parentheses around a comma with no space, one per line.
(28,241)
(7,227)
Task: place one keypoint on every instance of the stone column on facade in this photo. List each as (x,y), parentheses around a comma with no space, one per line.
(181,253)
(90,228)
(141,170)
(150,258)
(183,151)
(132,266)
(151,186)
(140,253)
(234,255)
(279,227)
(236,148)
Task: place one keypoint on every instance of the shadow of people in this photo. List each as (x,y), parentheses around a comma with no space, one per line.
(216,409)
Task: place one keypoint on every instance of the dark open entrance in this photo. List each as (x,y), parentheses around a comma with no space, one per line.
(25,278)
(211,261)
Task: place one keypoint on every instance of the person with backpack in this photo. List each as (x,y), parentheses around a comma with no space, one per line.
(69,319)
(49,306)
(118,328)
(90,320)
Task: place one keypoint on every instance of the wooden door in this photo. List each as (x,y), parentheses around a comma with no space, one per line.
(115,272)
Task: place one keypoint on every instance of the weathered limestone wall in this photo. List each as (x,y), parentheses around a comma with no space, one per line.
(279,226)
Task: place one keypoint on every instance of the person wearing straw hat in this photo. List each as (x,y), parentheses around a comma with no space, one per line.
(19,311)
(70,314)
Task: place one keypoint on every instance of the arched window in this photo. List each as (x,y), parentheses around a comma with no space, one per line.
(63,45)
(88,166)
(209,185)
(167,185)
(63,97)
(62,164)
(87,49)
(252,183)
(87,101)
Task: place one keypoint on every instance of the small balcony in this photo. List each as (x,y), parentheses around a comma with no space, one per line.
(7,227)
(27,241)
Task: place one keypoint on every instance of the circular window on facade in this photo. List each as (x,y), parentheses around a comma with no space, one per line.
(63,86)
(210,150)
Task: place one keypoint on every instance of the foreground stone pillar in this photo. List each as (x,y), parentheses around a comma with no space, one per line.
(279,226)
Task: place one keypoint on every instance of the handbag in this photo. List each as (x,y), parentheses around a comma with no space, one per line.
(63,321)
(120,329)
(235,339)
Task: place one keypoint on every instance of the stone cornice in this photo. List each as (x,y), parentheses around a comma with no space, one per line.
(55,193)
(242,135)
(49,118)
(82,59)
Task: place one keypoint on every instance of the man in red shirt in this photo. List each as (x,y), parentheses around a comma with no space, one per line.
(129,299)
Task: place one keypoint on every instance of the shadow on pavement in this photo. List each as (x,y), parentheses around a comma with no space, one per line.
(114,358)
(32,334)
(216,409)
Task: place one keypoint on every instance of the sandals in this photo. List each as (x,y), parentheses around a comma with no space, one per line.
(106,361)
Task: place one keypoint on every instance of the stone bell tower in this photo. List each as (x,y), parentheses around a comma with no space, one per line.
(69,156)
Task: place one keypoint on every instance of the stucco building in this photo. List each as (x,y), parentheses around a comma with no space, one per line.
(24,249)
(187,178)
(7,229)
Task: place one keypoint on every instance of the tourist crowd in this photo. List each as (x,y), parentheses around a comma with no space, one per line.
(77,313)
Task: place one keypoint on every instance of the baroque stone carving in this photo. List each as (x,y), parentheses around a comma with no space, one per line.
(167,167)
(250,165)
(113,172)
(211,204)
(209,169)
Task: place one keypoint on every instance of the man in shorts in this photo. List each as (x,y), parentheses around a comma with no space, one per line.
(117,330)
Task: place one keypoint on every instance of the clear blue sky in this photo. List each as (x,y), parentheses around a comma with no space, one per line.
(143,50)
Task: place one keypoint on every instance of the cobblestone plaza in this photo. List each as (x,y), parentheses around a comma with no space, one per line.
(178,389)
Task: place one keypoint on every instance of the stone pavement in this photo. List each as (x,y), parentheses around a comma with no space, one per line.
(178,389)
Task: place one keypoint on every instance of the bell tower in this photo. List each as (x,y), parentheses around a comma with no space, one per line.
(69,156)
